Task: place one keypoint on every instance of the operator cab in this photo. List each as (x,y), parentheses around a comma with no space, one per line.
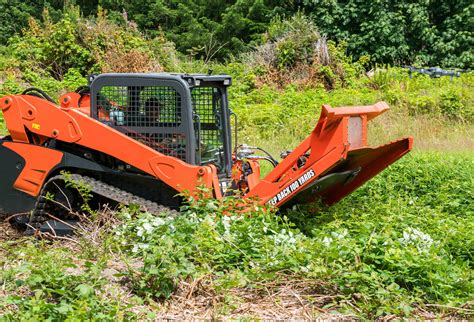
(181,115)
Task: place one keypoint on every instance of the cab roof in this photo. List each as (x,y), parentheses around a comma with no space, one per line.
(193,80)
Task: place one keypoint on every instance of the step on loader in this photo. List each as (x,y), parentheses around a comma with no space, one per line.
(144,138)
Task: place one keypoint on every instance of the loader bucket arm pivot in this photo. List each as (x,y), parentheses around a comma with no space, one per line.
(332,161)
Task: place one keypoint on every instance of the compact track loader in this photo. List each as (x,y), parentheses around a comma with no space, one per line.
(143,138)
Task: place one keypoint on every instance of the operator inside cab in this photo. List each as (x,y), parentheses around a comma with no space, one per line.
(152,111)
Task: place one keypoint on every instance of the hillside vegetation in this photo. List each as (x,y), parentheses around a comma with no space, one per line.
(400,246)
(436,32)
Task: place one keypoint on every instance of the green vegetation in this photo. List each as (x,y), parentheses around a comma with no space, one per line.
(402,241)
(397,32)
(47,284)
(402,244)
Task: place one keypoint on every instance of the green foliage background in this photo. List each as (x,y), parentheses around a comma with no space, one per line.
(435,32)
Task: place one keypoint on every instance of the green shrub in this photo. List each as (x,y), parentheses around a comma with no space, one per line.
(404,236)
(46,283)
(295,53)
(385,76)
(10,85)
(53,47)
(88,46)
(434,33)
(453,105)
(424,105)
(296,41)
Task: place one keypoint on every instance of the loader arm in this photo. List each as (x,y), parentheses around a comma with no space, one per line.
(332,161)
(33,120)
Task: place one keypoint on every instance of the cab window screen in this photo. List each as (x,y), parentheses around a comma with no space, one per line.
(207,104)
(150,115)
(145,106)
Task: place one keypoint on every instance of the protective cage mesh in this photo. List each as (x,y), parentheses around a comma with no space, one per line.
(144,106)
(207,104)
(152,115)
(148,114)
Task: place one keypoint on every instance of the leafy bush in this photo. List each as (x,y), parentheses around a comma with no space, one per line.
(434,33)
(51,46)
(13,85)
(383,77)
(424,105)
(453,105)
(10,85)
(46,283)
(402,238)
(88,46)
(295,53)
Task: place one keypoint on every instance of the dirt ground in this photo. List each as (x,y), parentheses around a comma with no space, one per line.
(6,230)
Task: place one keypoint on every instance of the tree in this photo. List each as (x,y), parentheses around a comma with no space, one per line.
(14,14)
(216,28)
(424,32)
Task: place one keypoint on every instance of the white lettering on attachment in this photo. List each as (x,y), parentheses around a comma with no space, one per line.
(292,187)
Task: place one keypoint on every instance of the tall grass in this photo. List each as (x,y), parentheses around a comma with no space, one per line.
(436,112)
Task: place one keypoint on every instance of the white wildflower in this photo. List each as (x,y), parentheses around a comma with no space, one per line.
(226,222)
(211,205)
(415,237)
(148,228)
(157,222)
(327,241)
(340,235)
(285,238)
(135,248)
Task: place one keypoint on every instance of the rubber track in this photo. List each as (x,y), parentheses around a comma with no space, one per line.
(123,197)
(105,190)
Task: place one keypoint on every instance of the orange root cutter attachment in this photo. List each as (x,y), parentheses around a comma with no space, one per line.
(337,146)
(368,162)
(360,166)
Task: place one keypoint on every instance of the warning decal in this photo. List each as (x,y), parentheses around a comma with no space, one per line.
(292,187)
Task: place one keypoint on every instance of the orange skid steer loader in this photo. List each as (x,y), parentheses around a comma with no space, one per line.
(143,138)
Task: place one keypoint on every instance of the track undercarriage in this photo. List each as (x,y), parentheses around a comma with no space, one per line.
(65,197)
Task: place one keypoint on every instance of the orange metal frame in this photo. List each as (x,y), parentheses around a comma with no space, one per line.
(46,120)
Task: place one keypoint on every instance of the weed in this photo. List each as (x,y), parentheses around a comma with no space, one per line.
(401,241)
(46,283)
